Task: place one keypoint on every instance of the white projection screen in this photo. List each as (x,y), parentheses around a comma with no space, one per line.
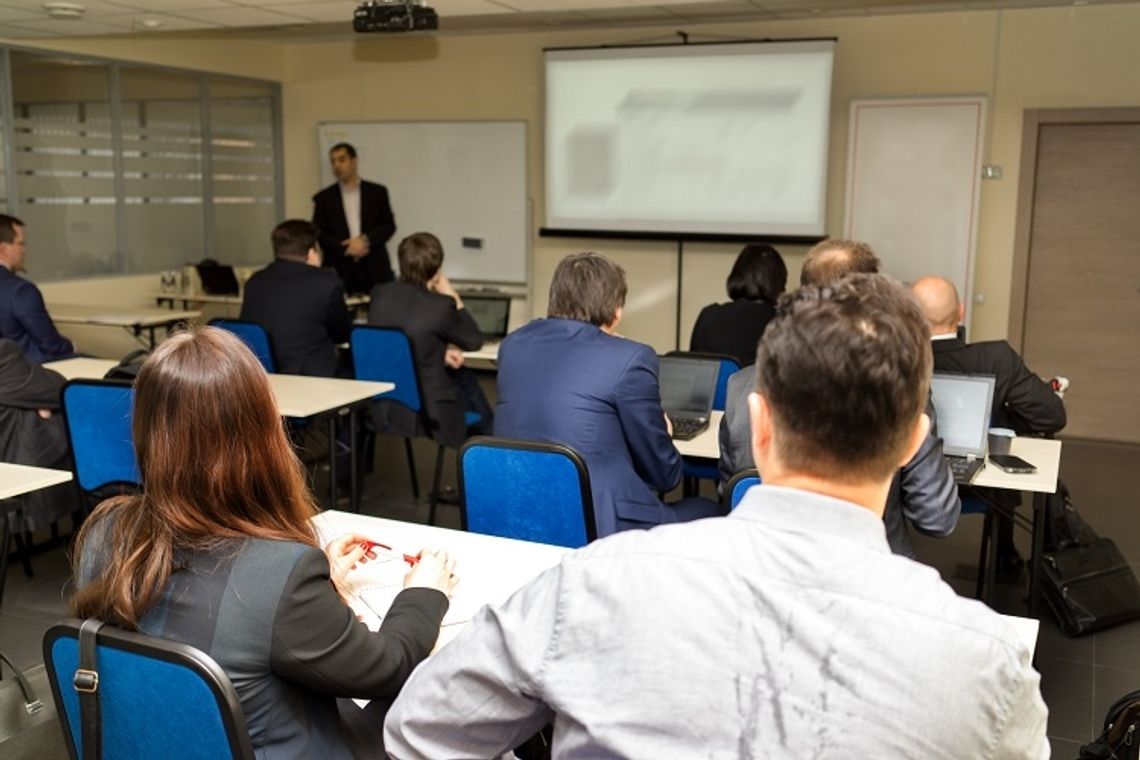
(710,139)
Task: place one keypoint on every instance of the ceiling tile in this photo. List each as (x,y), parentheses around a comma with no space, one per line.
(132,22)
(167,6)
(73,28)
(242,16)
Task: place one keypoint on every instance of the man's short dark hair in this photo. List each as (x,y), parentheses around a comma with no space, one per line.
(829,260)
(294,238)
(845,369)
(587,287)
(421,256)
(759,274)
(8,225)
(346,147)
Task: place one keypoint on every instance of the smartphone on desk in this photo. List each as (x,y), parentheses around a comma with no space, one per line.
(1010,463)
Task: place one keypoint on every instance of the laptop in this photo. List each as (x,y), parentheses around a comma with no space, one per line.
(688,387)
(217,279)
(491,312)
(963,405)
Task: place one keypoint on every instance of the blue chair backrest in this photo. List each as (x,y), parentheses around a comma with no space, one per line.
(254,336)
(157,698)
(739,484)
(98,415)
(526,490)
(384,354)
(728,368)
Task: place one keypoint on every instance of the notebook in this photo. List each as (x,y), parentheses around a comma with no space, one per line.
(963,403)
(491,312)
(217,279)
(688,387)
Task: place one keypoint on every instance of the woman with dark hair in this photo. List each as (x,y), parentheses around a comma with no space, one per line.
(757,279)
(219,552)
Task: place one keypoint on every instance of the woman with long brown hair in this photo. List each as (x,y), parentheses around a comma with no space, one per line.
(218,552)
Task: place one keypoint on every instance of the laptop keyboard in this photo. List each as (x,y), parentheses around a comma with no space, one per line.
(686,428)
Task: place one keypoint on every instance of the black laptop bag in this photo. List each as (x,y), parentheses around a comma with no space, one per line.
(1085,579)
(1120,739)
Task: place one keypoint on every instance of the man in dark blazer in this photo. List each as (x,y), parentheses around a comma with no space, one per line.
(299,304)
(1022,400)
(355,220)
(428,309)
(570,379)
(23,317)
(922,494)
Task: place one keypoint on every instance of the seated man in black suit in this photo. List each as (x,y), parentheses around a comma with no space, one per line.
(299,304)
(923,491)
(1022,400)
(426,307)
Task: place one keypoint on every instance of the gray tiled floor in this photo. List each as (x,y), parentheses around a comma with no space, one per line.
(1080,677)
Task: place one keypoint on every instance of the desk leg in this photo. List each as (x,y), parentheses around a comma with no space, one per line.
(1036,558)
(332,460)
(352,463)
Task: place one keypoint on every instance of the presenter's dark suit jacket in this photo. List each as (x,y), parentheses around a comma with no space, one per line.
(376,221)
(268,614)
(565,381)
(431,321)
(302,308)
(922,493)
(24,319)
(733,328)
(1022,400)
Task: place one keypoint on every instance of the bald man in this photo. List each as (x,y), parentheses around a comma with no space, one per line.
(1022,400)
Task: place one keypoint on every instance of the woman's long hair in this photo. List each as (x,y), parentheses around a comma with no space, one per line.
(215,463)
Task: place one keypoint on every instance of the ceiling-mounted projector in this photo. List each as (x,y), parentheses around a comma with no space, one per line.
(394,16)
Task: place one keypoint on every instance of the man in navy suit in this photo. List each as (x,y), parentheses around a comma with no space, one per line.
(23,317)
(356,222)
(570,379)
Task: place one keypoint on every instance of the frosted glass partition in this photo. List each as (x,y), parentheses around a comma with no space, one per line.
(62,156)
(243,150)
(162,169)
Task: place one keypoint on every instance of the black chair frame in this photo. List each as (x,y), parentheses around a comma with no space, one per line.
(730,486)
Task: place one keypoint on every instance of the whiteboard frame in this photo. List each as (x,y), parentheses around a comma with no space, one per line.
(526,236)
(978,105)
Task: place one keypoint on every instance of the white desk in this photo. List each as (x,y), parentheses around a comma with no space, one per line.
(297,396)
(1045,455)
(707,444)
(16,479)
(487,356)
(352,302)
(490,569)
(133,320)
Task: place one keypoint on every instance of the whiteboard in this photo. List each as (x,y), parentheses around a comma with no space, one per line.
(462,181)
(914,168)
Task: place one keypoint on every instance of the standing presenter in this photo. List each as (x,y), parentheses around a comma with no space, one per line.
(355,220)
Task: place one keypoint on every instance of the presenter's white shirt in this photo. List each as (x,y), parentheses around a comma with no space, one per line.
(350,196)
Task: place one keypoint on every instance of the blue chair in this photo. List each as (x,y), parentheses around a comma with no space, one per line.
(695,472)
(385,354)
(98,419)
(253,335)
(157,698)
(526,490)
(738,485)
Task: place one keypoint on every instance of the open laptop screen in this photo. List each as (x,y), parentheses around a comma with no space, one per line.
(962,403)
(491,313)
(688,385)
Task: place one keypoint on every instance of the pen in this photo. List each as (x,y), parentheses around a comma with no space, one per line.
(369,545)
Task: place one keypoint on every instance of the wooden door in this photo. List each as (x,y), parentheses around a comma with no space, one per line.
(1082,295)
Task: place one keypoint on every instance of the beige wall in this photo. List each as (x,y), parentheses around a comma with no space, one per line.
(1055,57)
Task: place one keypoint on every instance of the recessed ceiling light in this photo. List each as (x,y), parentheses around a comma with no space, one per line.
(61,9)
(148,23)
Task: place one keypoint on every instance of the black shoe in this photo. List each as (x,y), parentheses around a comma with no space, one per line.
(1009,567)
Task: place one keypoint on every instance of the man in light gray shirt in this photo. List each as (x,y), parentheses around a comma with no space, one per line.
(787,629)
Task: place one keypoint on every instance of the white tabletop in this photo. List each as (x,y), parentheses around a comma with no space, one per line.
(705,445)
(490,568)
(1043,453)
(79,314)
(81,367)
(16,479)
(351,301)
(488,353)
(297,396)
(300,396)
